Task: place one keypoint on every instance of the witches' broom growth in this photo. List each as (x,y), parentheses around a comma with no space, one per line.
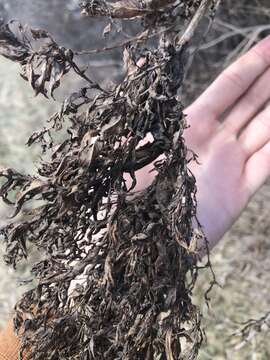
(118,266)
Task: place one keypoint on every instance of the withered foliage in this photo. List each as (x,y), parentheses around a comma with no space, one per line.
(127,9)
(43,67)
(118,266)
(249,330)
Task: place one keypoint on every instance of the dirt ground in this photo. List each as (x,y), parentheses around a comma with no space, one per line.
(241,263)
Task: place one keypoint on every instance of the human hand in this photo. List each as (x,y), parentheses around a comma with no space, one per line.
(230,132)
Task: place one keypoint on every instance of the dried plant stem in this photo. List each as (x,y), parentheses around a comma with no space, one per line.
(195,21)
(137,255)
(122,9)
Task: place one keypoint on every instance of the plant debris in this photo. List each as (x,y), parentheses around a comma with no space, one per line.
(119,265)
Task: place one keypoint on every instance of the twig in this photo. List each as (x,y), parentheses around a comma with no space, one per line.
(141,37)
(122,9)
(189,32)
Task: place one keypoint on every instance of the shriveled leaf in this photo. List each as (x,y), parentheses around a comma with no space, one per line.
(118,266)
(107,29)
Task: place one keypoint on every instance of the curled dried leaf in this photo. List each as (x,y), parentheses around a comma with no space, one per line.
(118,268)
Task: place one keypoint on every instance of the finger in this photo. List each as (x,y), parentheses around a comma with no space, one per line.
(257,170)
(257,133)
(233,82)
(249,105)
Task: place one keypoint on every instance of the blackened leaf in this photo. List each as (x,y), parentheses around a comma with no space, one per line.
(11,47)
(33,189)
(107,30)
(39,34)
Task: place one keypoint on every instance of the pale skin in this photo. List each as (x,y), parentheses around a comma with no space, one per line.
(230,132)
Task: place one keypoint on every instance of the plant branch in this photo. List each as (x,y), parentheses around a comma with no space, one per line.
(194,23)
(125,9)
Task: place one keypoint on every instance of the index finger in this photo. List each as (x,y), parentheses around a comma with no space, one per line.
(234,81)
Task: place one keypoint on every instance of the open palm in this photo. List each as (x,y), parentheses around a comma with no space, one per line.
(230,131)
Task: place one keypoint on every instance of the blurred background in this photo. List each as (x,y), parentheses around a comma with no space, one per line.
(242,260)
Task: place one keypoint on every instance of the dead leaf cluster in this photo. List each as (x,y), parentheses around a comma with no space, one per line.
(119,266)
